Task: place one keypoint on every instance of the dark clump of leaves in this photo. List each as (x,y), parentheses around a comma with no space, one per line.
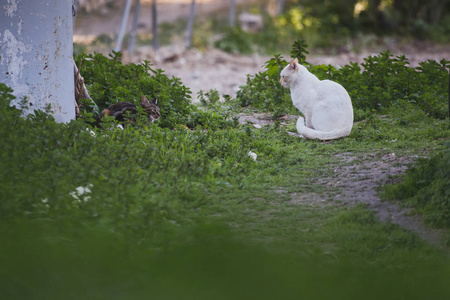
(377,84)
(299,51)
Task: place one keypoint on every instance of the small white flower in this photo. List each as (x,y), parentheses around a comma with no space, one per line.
(45,200)
(92,133)
(81,193)
(253,155)
(81,190)
(120,126)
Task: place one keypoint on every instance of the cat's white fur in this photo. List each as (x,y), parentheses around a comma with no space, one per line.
(326,105)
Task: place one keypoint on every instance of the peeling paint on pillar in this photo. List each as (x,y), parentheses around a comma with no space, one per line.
(36,54)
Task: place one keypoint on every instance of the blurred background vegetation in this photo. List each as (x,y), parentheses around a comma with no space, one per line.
(336,24)
(271,26)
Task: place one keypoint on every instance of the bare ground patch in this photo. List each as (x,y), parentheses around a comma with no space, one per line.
(356,180)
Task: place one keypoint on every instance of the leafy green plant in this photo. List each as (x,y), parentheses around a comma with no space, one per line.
(6,95)
(109,82)
(376,84)
(299,51)
(384,80)
(208,97)
(264,91)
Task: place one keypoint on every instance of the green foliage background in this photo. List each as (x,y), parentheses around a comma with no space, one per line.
(334,24)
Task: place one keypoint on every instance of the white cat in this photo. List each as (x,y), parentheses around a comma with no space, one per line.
(326,105)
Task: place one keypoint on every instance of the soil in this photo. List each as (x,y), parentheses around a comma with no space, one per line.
(358,183)
(354,180)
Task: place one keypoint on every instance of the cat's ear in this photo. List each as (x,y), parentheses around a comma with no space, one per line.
(154,101)
(144,101)
(293,64)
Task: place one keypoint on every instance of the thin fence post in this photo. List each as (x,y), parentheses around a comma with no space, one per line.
(132,42)
(155,26)
(280,7)
(190,25)
(123,25)
(232,19)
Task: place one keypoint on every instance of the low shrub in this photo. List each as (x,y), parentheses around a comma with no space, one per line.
(109,81)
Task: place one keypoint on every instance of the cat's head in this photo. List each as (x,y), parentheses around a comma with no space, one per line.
(151,108)
(289,72)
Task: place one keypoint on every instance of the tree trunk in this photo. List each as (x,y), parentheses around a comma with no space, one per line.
(36,55)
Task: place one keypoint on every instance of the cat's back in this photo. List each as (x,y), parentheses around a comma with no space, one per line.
(329,88)
(118,109)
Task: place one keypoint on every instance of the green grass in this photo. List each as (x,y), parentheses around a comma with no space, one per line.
(175,219)
(176,213)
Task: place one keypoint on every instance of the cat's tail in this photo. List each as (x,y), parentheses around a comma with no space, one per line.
(310,133)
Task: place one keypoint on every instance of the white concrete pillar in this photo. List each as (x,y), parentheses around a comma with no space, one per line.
(36,52)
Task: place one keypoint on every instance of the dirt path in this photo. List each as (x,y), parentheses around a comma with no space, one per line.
(356,179)
(357,182)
